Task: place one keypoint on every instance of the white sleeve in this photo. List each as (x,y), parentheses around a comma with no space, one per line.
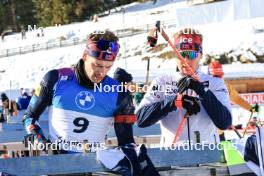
(219,89)
(154,94)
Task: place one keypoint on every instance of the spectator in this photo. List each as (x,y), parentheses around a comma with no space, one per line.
(9,106)
(42,32)
(138,96)
(21,91)
(3,37)
(23,34)
(95,18)
(23,100)
(2,118)
(216,70)
(33,92)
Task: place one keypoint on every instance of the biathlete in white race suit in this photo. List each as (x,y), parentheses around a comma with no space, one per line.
(206,101)
(78,112)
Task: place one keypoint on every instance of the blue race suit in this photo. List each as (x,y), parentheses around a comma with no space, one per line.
(78,111)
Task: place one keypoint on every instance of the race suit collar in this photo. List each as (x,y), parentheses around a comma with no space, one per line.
(197,72)
(82,78)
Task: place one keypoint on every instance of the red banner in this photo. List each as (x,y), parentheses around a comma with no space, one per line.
(253,98)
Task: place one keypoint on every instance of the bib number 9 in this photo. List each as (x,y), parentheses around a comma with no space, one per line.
(82,123)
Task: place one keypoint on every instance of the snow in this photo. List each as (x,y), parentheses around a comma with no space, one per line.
(237,35)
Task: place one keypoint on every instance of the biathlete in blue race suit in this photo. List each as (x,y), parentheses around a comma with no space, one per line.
(78,111)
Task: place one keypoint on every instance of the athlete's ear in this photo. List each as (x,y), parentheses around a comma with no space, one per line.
(84,56)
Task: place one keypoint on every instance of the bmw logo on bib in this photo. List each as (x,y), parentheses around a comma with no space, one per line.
(84,100)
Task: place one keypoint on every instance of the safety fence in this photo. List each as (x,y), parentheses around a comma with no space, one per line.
(61,42)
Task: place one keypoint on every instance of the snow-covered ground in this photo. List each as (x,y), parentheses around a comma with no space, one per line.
(221,34)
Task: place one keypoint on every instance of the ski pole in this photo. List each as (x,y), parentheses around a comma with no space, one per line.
(259,150)
(238,134)
(9,104)
(179,130)
(189,132)
(166,37)
(251,115)
(192,74)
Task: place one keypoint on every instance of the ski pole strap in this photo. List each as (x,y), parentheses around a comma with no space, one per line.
(125,118)
(178,101)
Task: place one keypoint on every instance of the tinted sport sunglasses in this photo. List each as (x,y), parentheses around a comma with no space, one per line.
(192,55)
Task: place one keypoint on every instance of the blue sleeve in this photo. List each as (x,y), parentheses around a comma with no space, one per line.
(218,113)
(251,150)
(150,114)
(39,103)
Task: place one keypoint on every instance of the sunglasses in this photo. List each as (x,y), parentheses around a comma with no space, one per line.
(103,49)
(101,55)
(192,55)
(109,46)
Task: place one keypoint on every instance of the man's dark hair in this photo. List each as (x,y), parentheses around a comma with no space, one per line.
(4,97)
(106,35)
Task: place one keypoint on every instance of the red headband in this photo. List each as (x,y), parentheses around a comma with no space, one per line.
(102,49)
(188,42)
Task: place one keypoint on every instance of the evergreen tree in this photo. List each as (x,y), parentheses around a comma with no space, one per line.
(44,12)
(17,14)
(61,11)
(79,10)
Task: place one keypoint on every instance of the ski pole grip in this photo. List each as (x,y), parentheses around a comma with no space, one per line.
(197,137)
(158,25)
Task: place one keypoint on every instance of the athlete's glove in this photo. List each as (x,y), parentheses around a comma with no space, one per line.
(135,164)
(34,131)
(188,82)
(153,38)
(152,41)
(38,134)
(189,103)
(254,108)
